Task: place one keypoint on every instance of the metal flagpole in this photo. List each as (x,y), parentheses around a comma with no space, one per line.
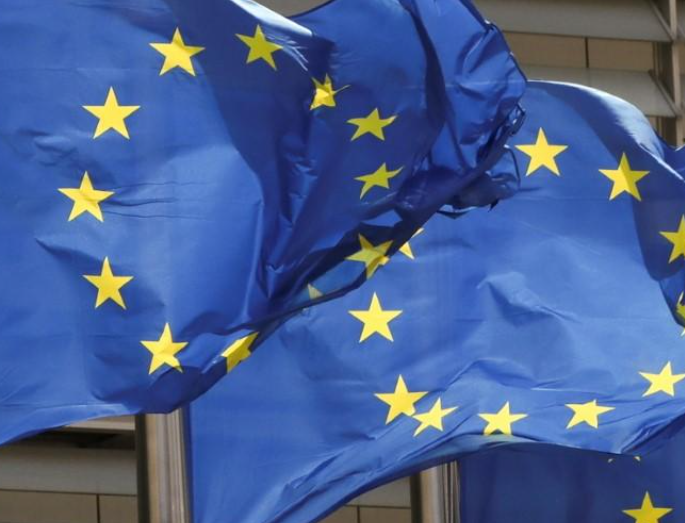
(435,495)
(162,480)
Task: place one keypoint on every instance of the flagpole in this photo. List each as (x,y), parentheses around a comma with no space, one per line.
(435,495)
(162,479)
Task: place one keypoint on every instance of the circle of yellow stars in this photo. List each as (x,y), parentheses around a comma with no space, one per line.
(402,401)
(263,47)
(377,320)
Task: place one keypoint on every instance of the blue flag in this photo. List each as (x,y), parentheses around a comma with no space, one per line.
(542,484)
(174,176)
(540,321)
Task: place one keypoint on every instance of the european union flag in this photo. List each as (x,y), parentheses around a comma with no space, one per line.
(176,177)
(542,484)
(540,321)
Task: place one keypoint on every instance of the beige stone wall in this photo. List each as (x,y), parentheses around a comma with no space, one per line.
(570,51)
(88,475)
(49,507)
(57,507)
(370,515)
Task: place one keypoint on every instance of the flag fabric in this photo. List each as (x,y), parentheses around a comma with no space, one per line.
(541,484)
(543,320)
(173,176)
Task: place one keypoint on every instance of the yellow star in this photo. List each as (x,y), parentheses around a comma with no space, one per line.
(625,179)
(586,413)
(401,401)
(501,421)
(111,115)
(324,93)
(239,351)
(314,293)
(380,178)
(680,310)
(406,248)
(542,154)
(663,382)
(372,124)
(86,199)
(432,418)
(108,285)
(647,513)
(164,351)
(260,47)
(177,54)
(375,320)
(677,238)
(372,256)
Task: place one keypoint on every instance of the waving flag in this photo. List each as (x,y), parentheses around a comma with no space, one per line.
(173,177)
(541,484)
(540,321)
